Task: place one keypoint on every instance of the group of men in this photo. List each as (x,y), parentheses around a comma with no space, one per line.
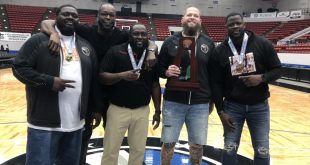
(101,71)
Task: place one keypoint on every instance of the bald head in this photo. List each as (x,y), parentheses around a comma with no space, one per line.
(107,6)
(191,9)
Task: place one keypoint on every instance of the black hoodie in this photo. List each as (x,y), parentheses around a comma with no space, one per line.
(224,85)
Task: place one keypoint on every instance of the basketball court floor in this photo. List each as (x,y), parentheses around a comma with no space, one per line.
(289,134)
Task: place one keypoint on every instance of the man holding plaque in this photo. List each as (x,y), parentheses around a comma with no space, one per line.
(183,60)
(241,67)
(131,87)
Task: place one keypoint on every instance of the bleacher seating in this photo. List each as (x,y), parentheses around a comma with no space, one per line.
(279,48)
(84,18)
(51,14)
(303,39)
(162,25)
(287,29)
(261,28)
(214,27)
(89,19)
(24,18)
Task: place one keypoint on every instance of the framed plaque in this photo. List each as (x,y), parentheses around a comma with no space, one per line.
(186,61)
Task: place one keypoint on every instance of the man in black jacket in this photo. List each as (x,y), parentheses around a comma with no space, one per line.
(57,90)
(187,106)
(241,68)
(102,37)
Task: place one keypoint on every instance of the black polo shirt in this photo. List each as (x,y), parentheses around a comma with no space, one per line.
(101,43)
(129,94)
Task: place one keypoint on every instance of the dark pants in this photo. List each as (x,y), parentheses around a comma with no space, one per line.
(88,131)
(258,120)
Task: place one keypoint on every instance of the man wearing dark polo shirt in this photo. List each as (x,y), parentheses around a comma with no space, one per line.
(102,37)
(130,90)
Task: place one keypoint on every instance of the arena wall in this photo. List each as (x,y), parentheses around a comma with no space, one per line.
(208,7)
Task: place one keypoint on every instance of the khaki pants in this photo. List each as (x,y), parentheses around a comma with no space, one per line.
(119,119)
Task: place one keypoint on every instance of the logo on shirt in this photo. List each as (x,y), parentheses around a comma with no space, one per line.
(85,51)
(204,48)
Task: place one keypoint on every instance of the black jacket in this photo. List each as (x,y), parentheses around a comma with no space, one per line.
(224,85)
(36,67)
(204,48)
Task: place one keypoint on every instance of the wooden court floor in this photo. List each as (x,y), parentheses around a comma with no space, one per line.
(289,135)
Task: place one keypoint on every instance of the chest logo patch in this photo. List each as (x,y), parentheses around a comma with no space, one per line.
(204,48)
(85,51)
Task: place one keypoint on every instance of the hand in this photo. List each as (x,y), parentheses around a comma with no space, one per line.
(156,120)
(95,117)
(61,84)
(130,75)
(227,122)
(54,43)
(251,80)
(173,70)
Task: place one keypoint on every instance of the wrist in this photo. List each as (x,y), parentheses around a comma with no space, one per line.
(158,112)
(54,33)
(119,76)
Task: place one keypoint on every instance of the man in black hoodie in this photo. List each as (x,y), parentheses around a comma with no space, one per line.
(241,68)
(188,106)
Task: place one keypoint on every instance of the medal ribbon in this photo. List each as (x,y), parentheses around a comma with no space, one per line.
(132,59)
(63,44)
(243,48)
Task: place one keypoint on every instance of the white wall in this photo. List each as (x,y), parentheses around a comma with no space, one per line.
(294,58)
(207,7)
(285,5)
(82,4)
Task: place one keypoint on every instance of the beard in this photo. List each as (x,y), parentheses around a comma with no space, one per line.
(138,48)
(191,30)
(66,29)
(237,39)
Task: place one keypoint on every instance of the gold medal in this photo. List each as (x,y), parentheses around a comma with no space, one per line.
(69,58)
